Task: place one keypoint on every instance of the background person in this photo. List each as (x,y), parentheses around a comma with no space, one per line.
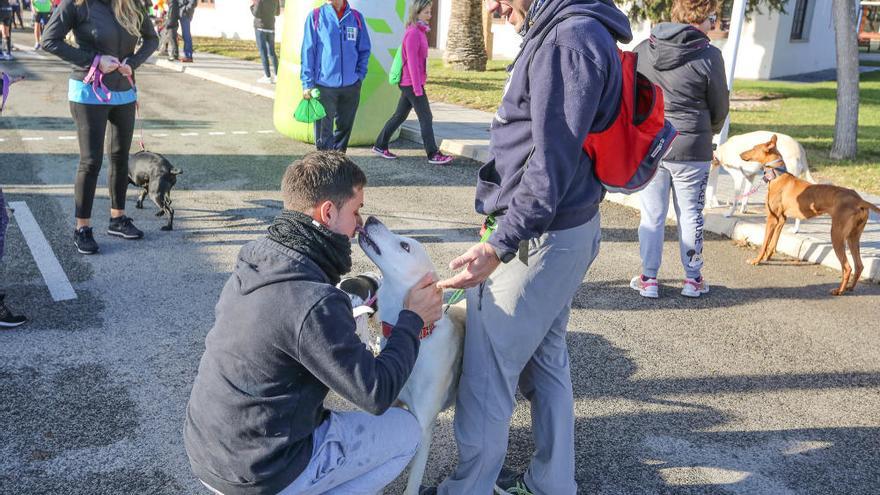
(106,33)
(679,58)
(412,87)
(335,53)
(283,336)
(264,12)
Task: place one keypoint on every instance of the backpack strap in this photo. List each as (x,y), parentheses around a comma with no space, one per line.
(357,17)
(315,14)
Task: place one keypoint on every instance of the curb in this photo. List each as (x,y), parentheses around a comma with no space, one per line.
(207,75)
(752,230)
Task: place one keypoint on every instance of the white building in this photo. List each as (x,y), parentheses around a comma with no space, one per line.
(773,45)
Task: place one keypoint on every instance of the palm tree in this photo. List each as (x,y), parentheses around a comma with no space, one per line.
(464,44)
(846,122)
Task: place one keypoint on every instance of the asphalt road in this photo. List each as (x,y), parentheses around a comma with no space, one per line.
(767,385)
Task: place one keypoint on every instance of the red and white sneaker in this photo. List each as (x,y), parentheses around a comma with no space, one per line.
(646,286)
(692,287)
(384,153)
(439,158)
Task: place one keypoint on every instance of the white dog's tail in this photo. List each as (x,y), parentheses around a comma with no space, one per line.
(805,166)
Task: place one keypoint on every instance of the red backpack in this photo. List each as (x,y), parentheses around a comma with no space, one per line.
(627,153)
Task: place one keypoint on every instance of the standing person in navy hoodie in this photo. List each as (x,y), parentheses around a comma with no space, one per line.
(540,186)
(107,33)
(412,87)
(679,58)
(335,53)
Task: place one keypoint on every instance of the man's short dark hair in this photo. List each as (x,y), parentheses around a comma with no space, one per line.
(320,176)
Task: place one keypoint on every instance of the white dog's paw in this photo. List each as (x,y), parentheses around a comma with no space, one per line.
(713,203)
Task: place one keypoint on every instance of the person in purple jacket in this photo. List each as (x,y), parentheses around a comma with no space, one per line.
(412,87)
(540,188)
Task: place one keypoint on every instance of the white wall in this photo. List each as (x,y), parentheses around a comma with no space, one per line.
(229,19)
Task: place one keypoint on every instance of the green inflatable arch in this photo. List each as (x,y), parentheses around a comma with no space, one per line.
(385,20)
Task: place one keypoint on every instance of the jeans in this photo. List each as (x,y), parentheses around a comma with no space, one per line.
(91,125)
(266,45)
(408,101)
(187,36)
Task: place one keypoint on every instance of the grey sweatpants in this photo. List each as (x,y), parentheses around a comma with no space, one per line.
(516,325)
(356,453)
(688,183)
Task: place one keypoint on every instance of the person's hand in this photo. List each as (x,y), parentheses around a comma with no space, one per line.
(425,299)
(108,63)
(479,262)
(124,69)
(307,94)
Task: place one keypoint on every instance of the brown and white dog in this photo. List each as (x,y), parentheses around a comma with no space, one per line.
(744,173)
(790,197)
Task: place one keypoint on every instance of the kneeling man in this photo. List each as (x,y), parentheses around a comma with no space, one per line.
(283,336)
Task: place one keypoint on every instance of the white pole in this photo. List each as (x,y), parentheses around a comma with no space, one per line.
(731,49)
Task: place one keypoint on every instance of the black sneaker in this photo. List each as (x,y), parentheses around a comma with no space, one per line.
(124,227)
(84,241)
(7,319)
(511,483)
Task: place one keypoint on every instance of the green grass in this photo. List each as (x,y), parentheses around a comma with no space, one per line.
(804,111)
(239,49)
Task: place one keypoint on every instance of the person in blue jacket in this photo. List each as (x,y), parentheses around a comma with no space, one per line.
(335,52)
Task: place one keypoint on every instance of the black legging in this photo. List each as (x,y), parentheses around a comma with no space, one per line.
(91,125)
(408,101)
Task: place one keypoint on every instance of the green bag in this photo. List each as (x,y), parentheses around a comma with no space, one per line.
(396,68)
(309,111)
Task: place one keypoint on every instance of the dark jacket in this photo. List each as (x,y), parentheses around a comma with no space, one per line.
(264,13)
(97,32)
(282,337)
(679,58)
(538,172)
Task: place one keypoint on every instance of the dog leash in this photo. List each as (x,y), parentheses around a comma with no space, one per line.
(755,188)
(489,226)
(7,81)
(95,78)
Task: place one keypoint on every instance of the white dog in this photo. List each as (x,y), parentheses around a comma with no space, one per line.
(433,384)
(745,173)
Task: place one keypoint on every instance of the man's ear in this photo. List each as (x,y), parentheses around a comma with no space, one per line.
(324,212)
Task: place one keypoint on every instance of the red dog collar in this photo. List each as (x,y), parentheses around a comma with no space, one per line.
(425,333)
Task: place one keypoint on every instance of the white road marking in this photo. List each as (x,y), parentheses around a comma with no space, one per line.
(217,133)
(239,132)
(189,133)
(32,138)
(265,132)
(159,135)
(56,280)
(67,138)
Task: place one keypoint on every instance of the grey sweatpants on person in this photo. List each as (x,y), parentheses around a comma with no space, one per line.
(516,325)
(341,105)
(356,453)
(688,183)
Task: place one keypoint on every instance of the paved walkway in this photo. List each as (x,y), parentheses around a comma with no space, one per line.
(465,132)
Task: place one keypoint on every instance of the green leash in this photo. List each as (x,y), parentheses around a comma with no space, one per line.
(491,225)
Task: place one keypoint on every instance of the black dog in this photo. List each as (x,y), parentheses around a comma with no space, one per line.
(157,176)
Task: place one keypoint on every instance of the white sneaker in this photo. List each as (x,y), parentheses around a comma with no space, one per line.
(647,287)
(274,78)
(692,288)
(265,80)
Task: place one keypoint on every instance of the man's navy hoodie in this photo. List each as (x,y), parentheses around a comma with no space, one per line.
(282,336)
(538,174)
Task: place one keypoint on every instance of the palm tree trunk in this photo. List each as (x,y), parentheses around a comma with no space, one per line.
(846,124)
(465,49)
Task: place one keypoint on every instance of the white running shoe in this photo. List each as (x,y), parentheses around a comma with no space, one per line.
(647,287)
(692,288)
(265,80)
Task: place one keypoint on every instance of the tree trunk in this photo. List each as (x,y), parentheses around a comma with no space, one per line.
(465,49)
(846,124)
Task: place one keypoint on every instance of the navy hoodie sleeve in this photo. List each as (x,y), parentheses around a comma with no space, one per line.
(566,89)
(330,349)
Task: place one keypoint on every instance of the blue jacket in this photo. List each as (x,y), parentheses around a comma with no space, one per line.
(538,175)
(336,54)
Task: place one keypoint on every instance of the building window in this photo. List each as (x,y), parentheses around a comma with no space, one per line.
(800,21)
